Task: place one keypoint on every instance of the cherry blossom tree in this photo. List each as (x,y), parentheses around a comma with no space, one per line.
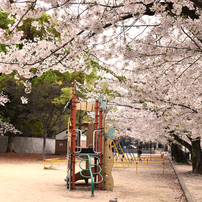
(5,126)
(152,47)
(84,24)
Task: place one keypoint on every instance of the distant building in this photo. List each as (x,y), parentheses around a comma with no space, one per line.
(61,142)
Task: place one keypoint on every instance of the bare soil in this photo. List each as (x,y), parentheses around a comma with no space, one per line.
(23,178)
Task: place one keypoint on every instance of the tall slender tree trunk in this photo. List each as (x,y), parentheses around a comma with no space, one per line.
(196,156)
(10,146)
(44,145)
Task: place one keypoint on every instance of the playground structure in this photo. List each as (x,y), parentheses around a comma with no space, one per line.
(124,155)
(98,149)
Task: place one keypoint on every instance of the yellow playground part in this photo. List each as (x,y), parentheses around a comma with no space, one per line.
(54,160)
(124,156)
(147,162)
(123,161)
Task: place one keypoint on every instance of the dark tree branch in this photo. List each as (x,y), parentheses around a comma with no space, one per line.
(181,141)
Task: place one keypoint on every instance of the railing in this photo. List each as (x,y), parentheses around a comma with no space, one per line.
(54,160)
(144,162)
(95,149)
(80,146)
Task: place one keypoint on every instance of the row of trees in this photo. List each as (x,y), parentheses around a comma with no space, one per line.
(39,111)
(150,50)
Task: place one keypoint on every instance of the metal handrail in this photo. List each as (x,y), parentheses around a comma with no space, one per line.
(97,130)
(80,147)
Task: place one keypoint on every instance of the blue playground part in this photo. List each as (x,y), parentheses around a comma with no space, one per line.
(123,147)
(127,143)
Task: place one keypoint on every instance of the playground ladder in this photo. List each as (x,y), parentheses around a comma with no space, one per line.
(82,157)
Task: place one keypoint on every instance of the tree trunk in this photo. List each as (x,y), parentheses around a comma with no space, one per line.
(178,154)
(44,145)
(196,156)
(10,146)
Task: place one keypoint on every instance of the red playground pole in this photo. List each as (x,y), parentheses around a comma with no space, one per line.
(73,132)
(96,127)
(100,145)
(96,122)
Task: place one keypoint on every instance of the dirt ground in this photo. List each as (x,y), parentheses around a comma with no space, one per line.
(23,178)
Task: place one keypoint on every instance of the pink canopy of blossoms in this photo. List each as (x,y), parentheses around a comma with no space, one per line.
(154,45)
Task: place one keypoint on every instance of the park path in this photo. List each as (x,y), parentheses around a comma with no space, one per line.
(191,183)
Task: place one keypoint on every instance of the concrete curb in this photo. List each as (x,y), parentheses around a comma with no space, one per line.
(182,184)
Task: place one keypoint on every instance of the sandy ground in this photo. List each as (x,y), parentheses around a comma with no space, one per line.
(23,178)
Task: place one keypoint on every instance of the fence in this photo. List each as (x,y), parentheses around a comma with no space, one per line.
(52,162)
(150,162)
(58,161)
